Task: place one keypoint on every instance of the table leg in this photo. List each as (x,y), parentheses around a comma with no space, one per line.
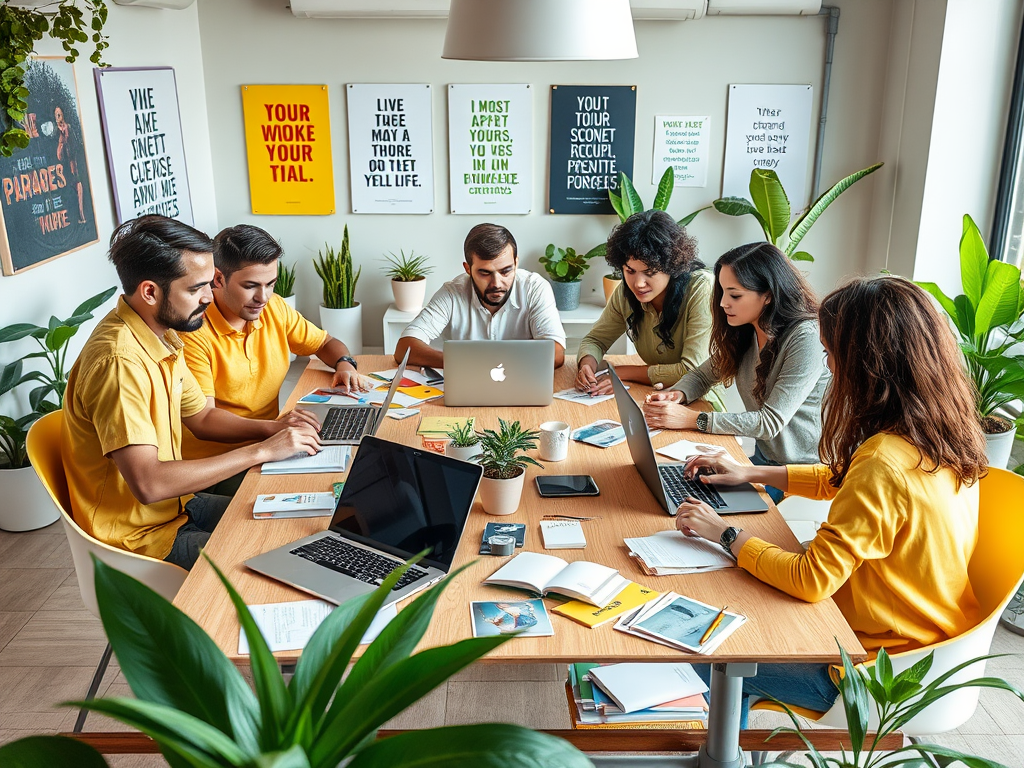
(722,749)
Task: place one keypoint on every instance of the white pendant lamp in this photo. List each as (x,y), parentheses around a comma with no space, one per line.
(539,30)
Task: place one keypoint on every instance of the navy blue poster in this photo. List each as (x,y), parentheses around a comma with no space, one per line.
(593,129)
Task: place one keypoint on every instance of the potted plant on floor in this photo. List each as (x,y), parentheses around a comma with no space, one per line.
(317,720)
(340,314)
(26,505)
(408,279)
(989,318)
(503,457)
(463,443)
(565,267)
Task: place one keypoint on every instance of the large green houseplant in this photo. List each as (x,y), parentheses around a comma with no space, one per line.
(198,708)
(989,319)
(503,457)
(340,314)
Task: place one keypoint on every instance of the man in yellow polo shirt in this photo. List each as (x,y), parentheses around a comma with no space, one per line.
(130,392)
(240,354)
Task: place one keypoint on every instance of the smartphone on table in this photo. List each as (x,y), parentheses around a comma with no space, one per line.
(553,486)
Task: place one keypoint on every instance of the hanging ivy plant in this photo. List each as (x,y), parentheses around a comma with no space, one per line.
(74,22)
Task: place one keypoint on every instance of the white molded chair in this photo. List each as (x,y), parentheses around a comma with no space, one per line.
(43,443)
(804,516)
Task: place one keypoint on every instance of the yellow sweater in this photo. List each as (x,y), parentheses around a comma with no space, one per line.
(893,552)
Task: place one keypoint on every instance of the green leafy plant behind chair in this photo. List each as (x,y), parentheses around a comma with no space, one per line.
(407,269)
(503,452)
(335,271)
(285,285)
(564,265)
(195,704)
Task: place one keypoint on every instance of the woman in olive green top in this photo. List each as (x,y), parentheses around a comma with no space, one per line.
(663,304)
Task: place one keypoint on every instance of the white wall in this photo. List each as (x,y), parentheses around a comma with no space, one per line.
(138,37)
(684,68)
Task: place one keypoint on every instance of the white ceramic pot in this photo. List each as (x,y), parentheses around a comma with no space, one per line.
(409,295)
(462,453)
(346,325)
(501,497)
(24,503)
(290,301)
(998,447)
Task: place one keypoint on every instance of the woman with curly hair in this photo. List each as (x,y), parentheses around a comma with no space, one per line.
(662,304)
(764,336)
(903,454)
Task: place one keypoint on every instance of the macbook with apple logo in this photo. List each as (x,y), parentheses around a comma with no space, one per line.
(497,373)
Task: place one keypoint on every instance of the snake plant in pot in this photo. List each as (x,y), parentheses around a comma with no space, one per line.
(408,279)
(340,314)
(503,457)
(195,704)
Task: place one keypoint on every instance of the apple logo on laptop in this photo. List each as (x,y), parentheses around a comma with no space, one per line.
(498,374)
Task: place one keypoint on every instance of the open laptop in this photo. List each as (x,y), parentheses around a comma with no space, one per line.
(348,424)
(498,373)
(397,501)
(668,482)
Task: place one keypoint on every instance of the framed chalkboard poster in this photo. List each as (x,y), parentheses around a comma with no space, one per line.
(46,202)
(593,128)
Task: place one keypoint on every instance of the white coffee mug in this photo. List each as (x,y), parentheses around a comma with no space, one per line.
(554,440)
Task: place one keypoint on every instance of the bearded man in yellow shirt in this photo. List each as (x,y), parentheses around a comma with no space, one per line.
(239,355)
(129,393)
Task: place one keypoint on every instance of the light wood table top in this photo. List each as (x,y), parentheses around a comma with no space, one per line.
(779,628)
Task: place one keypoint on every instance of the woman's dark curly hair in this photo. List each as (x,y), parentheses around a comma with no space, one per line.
(654,238)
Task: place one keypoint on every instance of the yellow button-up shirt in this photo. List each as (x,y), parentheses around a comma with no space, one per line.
(128,387)
(243,370)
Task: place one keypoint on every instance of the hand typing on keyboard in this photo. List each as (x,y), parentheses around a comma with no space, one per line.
(289,442)
(716,469)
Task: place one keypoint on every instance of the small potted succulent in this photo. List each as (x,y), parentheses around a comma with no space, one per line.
(408,279)
(503,457)
(285,285)
(463,443)
(340,314)
(565,267)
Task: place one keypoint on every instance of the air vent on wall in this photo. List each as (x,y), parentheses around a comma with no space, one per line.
(173,5)
(677,10)
(763,7)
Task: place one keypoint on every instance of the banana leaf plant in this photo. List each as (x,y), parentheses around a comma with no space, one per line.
(769,205)
(896,699)
(989,319)
(201,713)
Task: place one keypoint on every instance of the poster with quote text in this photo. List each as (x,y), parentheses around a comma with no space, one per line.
(390,148)
(490,148)
(682,142)
(769,127)
(46,206)
(593,128)
(142,136)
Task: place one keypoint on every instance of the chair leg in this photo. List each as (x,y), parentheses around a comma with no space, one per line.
(93,687)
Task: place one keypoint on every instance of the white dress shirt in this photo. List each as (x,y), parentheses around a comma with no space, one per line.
(455,312)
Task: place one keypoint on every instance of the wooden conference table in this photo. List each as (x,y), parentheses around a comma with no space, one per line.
(779,628)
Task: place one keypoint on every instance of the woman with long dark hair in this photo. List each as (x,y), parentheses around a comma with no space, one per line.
(764,336)
(662,305)
(903,453)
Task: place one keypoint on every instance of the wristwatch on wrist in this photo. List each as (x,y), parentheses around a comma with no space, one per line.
(703,422)
(728,537)
(346,359)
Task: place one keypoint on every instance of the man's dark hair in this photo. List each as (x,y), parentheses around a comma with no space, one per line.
(237,247)
(487,241)
(150,248)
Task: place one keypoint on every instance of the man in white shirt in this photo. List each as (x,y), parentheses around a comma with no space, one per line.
(493,300)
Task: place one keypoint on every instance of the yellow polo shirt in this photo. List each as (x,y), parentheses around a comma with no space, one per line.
(127,388)
(244,370)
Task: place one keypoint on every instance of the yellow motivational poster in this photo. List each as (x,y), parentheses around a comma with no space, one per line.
(288,143)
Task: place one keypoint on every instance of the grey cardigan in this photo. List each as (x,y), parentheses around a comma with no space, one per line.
(787,426)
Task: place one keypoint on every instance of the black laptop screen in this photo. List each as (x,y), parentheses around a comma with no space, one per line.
(403,500)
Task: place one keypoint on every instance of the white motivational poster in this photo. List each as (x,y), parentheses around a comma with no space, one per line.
(142,135)
(490,147)
(390,148)
(682,142)
(769,127)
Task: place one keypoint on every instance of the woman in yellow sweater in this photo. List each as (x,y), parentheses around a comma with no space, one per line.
(902,454)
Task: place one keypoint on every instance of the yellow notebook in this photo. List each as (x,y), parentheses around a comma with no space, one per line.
(440,426)
(586,614)
(421,392)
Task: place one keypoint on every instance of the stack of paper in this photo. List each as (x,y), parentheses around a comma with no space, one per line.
(680,622)
(332,458)
(438,427)
(669,553)
(562,534)
(288,626)
(583,398)
(280,505)
(681,450)
(638,686)
(596,709)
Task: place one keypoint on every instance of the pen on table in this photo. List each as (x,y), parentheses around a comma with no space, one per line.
(567,517)
(714,625)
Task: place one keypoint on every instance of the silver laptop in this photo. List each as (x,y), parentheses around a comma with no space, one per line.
(668,482)
(348,424)
(397,502)
(499,373)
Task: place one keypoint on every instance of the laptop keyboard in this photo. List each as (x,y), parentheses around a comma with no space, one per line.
(359,563)
(345,423)
(679,487)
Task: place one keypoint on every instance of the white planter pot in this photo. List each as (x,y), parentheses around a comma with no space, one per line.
(290,301)
(409,295)
(462,453)
(24,503)
(346,325)
(501,497)
(998,448)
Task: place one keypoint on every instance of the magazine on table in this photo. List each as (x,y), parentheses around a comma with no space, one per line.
(681,622)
